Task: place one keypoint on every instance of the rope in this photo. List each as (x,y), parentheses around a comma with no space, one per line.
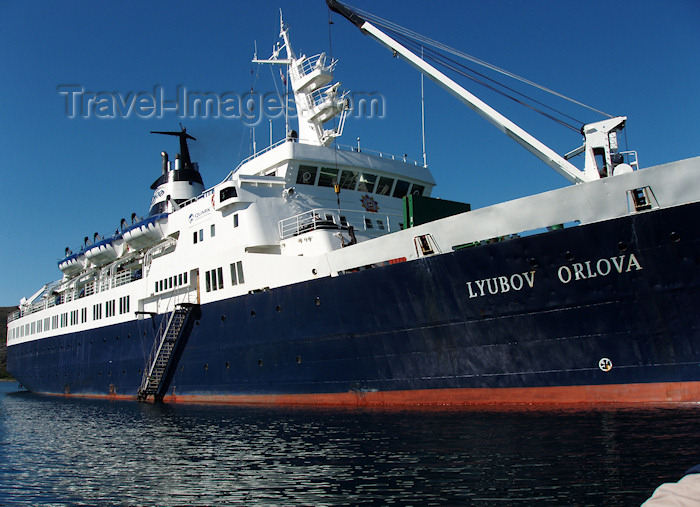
(421,40)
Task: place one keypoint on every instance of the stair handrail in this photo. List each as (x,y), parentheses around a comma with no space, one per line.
(160,339)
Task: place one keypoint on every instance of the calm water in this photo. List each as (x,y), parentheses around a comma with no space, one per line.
(56,451)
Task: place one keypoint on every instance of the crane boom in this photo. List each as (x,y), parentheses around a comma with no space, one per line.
(529,142)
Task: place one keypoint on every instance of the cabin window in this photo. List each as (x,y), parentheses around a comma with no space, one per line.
(212,230)
(201,235)
(184,278)
(306,175)
(220,273)
(179,279)
(417,189)
(194,237)
(214,284)
(367,182)
(235,220)
(237,273)
(348,179)
(227,193)
(380,224)
(368,223)
(328,177)
(83,315)
(207,278)
(600,162)
(384,185)
(401,188)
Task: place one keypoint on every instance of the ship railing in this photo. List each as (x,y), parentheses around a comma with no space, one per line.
(632,159)
(254,155)
(71,294)
(312,63)
(356,149)
(329,218)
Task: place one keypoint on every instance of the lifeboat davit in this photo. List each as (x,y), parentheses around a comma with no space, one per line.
(73,264)
(147,232)
(105,251)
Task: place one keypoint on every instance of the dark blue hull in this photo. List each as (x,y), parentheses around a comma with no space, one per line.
(528,316)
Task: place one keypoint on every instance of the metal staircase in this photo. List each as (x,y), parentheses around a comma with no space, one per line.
(162,361)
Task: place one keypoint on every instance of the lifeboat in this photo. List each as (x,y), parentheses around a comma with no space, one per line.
(105,251)
(73,264)
(147,232)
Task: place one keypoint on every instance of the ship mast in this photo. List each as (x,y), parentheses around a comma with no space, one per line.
(592,171)
(317,101)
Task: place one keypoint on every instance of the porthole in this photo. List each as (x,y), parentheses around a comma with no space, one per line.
(622,246)
(279,308)
(223,318)
(206,366)
(259,362)
(675,237)
(252,313)
(228,365)
(534,263)
(569,256)
(318,301)
(298,359)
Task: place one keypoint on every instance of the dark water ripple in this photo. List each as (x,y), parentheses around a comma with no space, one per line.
(56,451)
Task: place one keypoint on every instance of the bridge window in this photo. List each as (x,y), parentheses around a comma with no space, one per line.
(384,185)
(227,193)
(367,182)
(417,189)
(348,179)
(327,177)
(306,175)
(401,188)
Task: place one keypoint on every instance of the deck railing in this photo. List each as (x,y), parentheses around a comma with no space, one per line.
(71,294)
(328,218)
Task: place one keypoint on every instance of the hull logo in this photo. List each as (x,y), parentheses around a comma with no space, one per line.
(605,364)
(369,203)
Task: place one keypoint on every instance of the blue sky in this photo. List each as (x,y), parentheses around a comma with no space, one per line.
(65,178)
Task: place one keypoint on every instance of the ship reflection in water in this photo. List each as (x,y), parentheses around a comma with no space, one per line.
(62,451)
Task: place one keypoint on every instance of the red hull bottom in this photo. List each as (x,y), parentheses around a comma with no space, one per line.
(671,392)
(657,393)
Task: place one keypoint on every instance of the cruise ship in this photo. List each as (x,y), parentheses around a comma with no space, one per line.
(321,274)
